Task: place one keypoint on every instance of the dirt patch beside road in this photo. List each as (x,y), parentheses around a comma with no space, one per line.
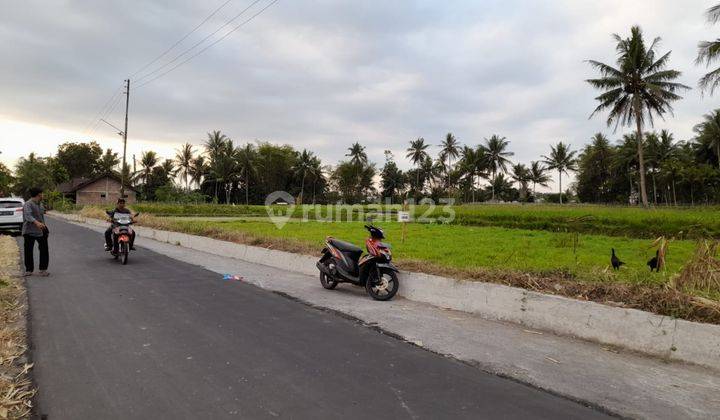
(16,390)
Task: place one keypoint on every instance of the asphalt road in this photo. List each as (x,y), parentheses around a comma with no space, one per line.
(162,339)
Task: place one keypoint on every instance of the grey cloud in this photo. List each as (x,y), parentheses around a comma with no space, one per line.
(321,74)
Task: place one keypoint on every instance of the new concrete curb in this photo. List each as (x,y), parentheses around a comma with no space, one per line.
(656,335)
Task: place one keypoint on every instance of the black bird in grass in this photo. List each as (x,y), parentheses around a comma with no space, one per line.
(654,263)
(615,261)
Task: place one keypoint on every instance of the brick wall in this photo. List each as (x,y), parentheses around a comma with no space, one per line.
(103,191)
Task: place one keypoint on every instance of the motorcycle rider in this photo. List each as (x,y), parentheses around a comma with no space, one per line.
(110,242)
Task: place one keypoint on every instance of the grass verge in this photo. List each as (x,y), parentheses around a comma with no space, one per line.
(16,390)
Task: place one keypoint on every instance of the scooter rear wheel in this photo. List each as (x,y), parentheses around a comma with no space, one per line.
(327,281)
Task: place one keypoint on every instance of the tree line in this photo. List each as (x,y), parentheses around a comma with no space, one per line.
(679,172)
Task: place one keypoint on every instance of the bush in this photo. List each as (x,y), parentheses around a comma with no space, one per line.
(173,194)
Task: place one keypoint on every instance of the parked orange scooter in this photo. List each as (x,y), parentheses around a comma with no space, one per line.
(343,262)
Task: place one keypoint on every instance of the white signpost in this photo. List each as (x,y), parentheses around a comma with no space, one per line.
(404,218)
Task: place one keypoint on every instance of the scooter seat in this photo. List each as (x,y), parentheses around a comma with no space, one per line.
(344,246)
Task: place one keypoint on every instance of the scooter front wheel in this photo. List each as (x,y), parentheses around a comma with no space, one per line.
(125,252)
(327,281)
(383,288)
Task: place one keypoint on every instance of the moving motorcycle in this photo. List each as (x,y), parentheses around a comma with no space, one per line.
(341,262)
(122,233)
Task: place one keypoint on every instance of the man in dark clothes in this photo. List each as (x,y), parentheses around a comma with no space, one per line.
(34,230)
(109,243)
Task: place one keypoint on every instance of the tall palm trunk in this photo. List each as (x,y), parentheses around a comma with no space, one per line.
(674,195)
(492,184)
(472,188)
(302,188)
(247,189)
(314,182)
(560,184)
(641,158)
(654,188)
(417,181)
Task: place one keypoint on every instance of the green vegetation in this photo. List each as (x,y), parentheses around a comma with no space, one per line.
(585,257)
(631,222)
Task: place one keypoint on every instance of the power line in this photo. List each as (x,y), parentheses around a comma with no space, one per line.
(102,108)
(209,46)
(105,114)
(198,43)
(181,39)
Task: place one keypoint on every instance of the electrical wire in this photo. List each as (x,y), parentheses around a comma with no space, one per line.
(100,111)
(177,57)
(210,45)
(184,37)
(109,111)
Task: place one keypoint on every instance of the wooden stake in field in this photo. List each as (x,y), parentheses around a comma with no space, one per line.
(404,218)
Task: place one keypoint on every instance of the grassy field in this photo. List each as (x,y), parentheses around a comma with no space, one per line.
(679,223)
(585,257)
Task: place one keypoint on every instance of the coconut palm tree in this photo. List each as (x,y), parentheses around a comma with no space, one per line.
(245,158)
(562,159)
(184,157)
(215,146)
(302,168)
(521,175)
(708,133)
(169,168)
(359,159)
(496,153)
(637,89)
(708,52)
(665,152)
(224,169)
(449,149)
(474,165)
(357,154)
(417,153)
(198,170)
(317,171)
(215,142)
(538,175)
(148,161)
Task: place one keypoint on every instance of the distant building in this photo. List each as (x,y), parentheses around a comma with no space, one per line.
(101,190)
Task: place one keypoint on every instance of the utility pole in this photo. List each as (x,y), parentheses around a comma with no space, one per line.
(122,171)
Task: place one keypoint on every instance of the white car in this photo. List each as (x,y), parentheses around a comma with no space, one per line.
(11,213)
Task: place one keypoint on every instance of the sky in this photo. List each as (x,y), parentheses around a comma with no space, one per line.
(321,74)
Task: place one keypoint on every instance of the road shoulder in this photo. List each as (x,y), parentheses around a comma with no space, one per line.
(16,388)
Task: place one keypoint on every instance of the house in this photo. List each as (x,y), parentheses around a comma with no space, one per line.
(104,189)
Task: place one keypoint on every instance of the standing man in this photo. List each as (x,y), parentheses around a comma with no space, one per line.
(34,230)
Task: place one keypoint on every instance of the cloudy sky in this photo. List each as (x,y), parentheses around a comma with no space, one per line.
(320,74)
